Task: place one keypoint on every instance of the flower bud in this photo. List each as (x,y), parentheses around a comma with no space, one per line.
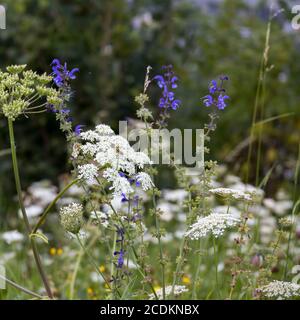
(71,217)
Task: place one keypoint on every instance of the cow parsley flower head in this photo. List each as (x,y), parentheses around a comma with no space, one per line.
(178,290)
(215,224)
(111,156)
(119,184)
(71,217)
(88,172)
(280,290)
(234,194)
(216,96)
(145,180)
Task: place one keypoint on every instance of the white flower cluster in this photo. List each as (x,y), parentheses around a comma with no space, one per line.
(215,223)
(145,180)
(113,154)
(178,290)
(233,193)
(71,217)
(280,290)
(88,172)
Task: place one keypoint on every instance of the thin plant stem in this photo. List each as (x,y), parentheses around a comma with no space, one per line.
(21,203)
(112,265)
(74,274)
(260,88)
(92,261)
(21,288)
(50,206)
(263,94)
(194,292)
(157,225)
(136,257)
(216,266)
(181,253)
(78,261)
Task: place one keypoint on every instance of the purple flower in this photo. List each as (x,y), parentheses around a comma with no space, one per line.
(61,74)
(213,87)
(175,104)
(217,95)
(208,100)
(124,198)
(138,184)
(136,200)
(221,103)
(51,108)
(222,78)
(173,82)
(160,81)
(166,82)
(78,129)
(121,254)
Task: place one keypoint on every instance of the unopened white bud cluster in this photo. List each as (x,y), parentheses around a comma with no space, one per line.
(71,217)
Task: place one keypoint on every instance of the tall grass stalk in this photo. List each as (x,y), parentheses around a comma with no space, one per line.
(259,105)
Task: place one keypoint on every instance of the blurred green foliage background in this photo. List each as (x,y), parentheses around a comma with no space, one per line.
(112,42)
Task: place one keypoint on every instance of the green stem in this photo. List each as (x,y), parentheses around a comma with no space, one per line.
(92,261)
(194,290)
(157,225)
(216,266)
(181,253)
(44,215)
(19,191)
(136,257)
(17,286)
(74,274)
(112,265)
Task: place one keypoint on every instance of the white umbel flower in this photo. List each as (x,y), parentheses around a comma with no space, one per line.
(88,172)
(120,185)
(178,290)
(215,223)
(280,290)
(233,193)
(89,135)
(145,180)
(104,148)
(104,129)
